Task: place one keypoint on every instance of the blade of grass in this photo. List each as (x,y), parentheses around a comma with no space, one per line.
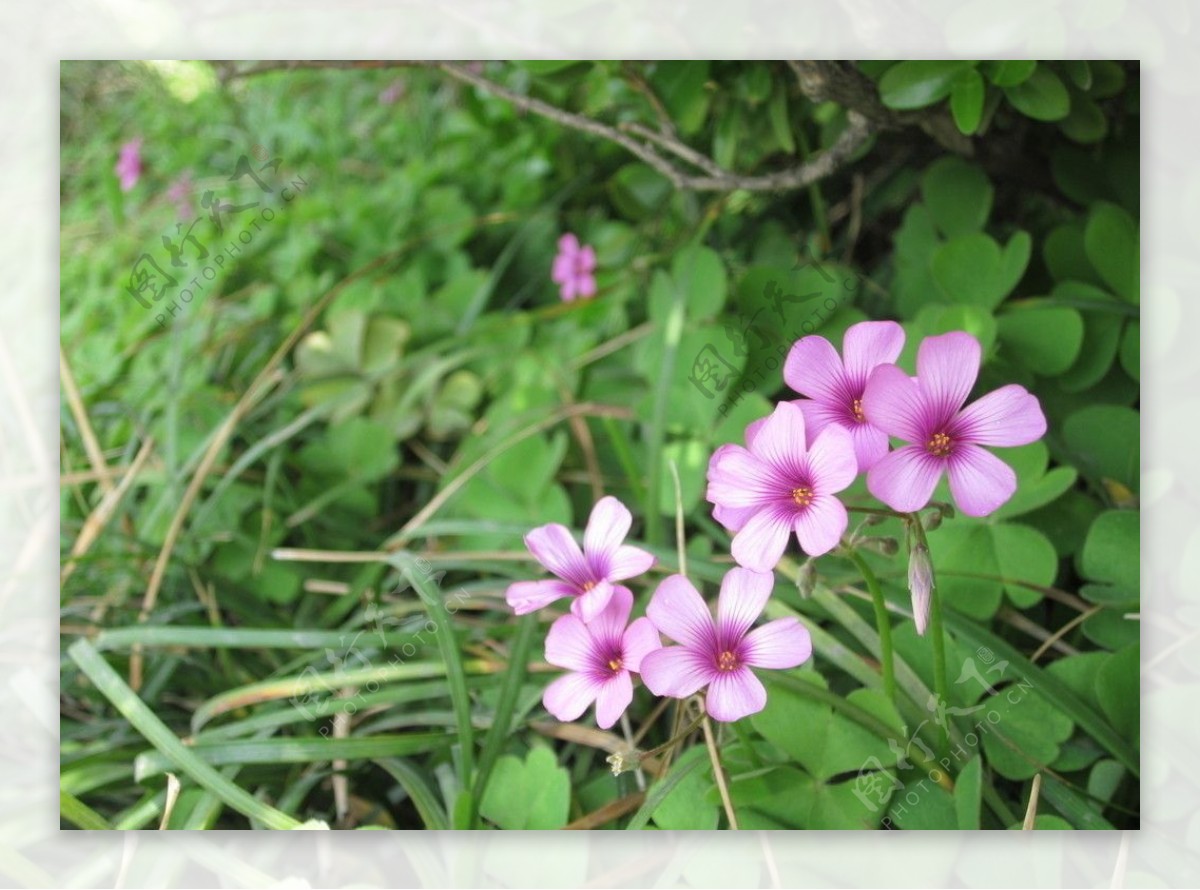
(419,791)
(501,728)
(133,709)
(79,814)
(456,676)
(297,750)
(291,687)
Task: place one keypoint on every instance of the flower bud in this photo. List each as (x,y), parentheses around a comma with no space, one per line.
(623,761)
(920,584)
(931,520)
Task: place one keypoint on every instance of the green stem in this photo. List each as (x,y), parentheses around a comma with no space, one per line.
(937,631)
(883,623)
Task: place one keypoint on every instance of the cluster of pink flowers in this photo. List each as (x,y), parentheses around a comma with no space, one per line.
(784,481)
(574,269)
(601,649)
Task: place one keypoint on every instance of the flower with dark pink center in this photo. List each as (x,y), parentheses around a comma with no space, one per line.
(834,385)
(600,656)
(944,437)
(586,576)
(719,654)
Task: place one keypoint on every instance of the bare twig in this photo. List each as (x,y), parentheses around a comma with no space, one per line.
(1031,811)
(715,179)
(719,773)
(91,445)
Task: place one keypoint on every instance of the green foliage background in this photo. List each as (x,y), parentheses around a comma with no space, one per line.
(996,197)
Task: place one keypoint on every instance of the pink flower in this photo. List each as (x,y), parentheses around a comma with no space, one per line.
(928,413)
(392,93)
(129,164)
(573,268)
(781,485)
(834,385)
(588,576)
(719,654)
(600,656)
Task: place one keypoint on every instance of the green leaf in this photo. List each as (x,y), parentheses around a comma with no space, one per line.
(532,794)
(1045,339)
(973,269)
(679,771)
(1105,440)
(1036,486)
(1079,71)
(1026,732)
(1119,691)
(1131,350)
(781,124)
(914,245)
(638,191)
(543,67)
(1086,123)
(1042,97)
(1112,552)
(916,84)
(1024,554)
(958,195)
(682,88)
(934,809)
(840,746)
(966,101)
(1010,72)
(968,787)
(1111,241)
(687,807)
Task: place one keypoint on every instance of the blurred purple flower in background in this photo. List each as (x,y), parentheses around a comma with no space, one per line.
(180,194)
(392,93)
(573,268)
(129,164)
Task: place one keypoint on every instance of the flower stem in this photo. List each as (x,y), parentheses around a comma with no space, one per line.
(884,624)
(938,631)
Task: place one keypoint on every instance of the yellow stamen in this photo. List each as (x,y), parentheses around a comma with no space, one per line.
(614,664)
(857,411)
(727,661)
(939,444)
(802,496)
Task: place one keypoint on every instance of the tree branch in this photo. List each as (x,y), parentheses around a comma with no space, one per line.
(647,144)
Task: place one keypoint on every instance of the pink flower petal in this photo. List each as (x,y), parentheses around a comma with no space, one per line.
(529,596)
(979,481)
(814,369)
(867,344)
(892,403)
(947,366)
(820,525)
(733,518)
(569,696)
(561,271)
(570,645)
(606,529)
(780,442)
(553,546)
(586,261)
(585,285)
(629,562)
(744,593)
(733,695)
(675,671)
(640,639)
(752,429)
(568,244)
(679,612)
(608,625)
(906,478)
(1008,416)
(817,416)
(567,291)
(592,602)
(870,444)
(782,643)
(763,539)
(831,460)
(615,696)
(741,480)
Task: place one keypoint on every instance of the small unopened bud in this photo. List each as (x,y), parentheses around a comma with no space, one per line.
(920,584)
(884,546)
(932,520)
(873,519)
(624,762)
(806,580)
